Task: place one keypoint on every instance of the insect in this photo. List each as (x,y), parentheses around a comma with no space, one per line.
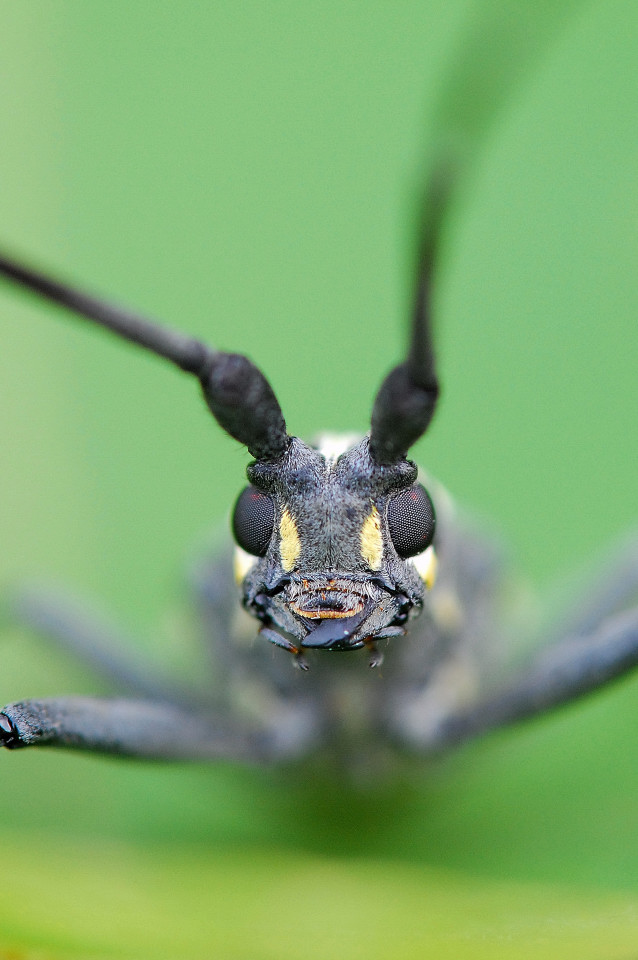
(337,549)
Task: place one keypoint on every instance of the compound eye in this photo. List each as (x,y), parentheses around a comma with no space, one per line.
(411,521)
(253,521)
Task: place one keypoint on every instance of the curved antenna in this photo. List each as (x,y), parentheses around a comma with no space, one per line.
(236,391)
(407,398)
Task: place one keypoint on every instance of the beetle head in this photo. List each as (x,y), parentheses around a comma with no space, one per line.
(334,548)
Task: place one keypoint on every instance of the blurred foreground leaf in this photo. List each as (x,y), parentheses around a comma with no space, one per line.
(72,900)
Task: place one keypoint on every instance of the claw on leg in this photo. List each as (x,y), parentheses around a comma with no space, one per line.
(376,657)
(9,736)
(300,661)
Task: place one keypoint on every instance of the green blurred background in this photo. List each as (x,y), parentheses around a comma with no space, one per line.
(248,172)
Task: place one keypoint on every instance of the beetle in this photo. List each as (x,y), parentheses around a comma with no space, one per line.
(340,546)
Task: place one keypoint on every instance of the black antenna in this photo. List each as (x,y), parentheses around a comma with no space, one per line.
(406,401)
(236,391)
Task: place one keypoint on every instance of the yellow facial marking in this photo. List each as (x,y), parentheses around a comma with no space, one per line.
(371,540)
(289,544)
(242,564)
(426,566)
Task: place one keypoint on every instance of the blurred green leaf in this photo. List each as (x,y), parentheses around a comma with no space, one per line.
(124,901)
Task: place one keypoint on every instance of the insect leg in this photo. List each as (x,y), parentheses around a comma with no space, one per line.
(99,645)
(135,728)
(575,666)
(216,600)
(614,588)
(245,674)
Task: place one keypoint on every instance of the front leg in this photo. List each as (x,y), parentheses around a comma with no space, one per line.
(75,630)
(134,728)
(575,666)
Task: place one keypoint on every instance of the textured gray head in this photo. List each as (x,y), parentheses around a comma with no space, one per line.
(331,540)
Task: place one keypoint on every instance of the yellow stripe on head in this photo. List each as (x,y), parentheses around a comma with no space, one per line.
(426,564)
(372,540)
(289,544)
(242,564)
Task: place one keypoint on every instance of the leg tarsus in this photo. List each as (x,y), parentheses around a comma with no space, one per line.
(300,661)
(135,728)
(376,657)
(98,644)
(613,588)
(573,668)
(9,736)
